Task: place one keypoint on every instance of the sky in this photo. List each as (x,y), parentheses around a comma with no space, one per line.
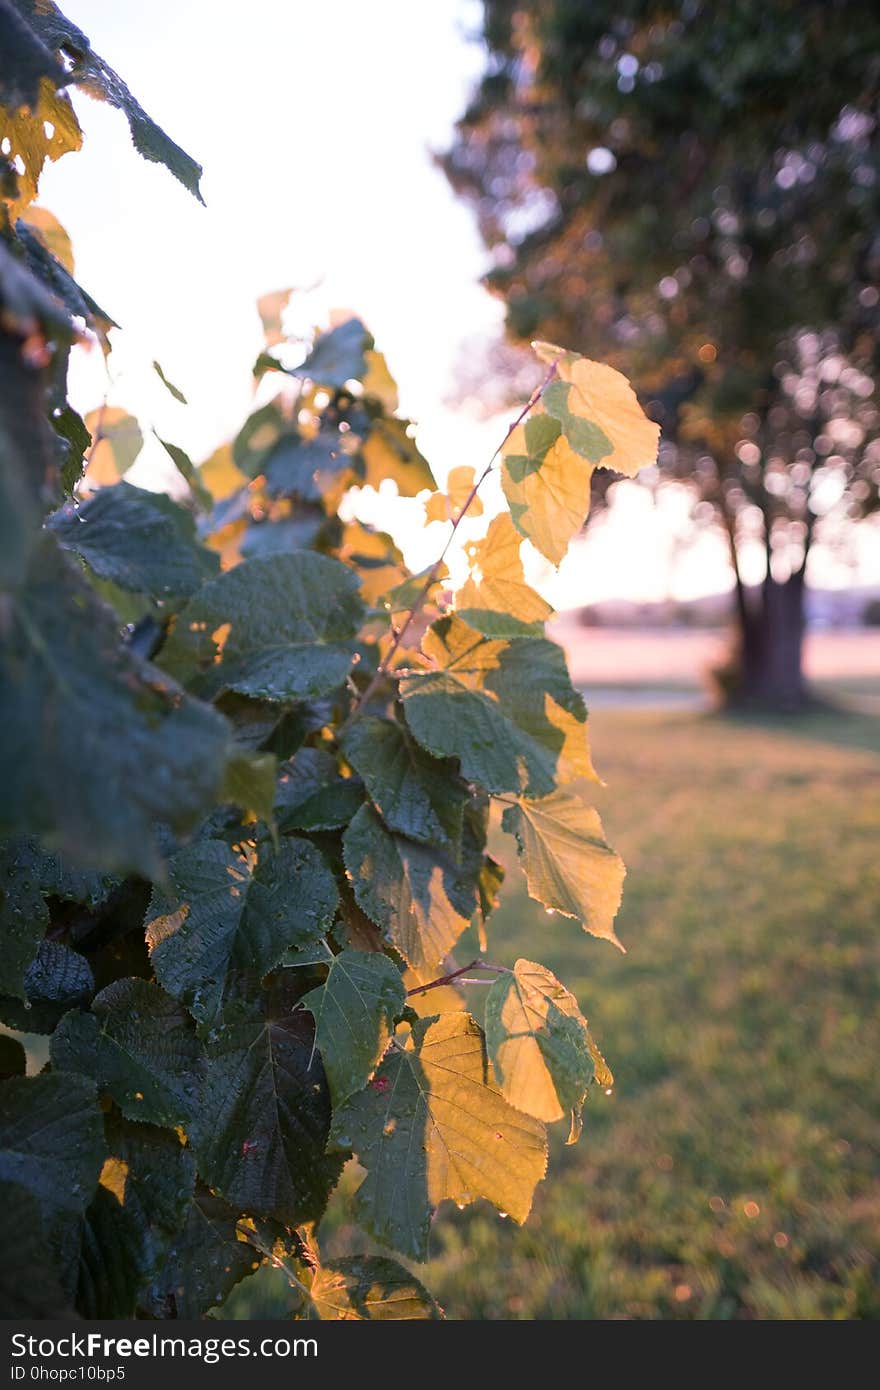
(315,125)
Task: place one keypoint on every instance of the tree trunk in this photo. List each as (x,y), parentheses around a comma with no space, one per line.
(768,670)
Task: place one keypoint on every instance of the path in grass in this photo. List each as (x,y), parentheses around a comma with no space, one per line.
(733,1172)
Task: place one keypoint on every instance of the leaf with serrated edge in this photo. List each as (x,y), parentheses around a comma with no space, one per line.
(389,452)
(355,1011)
(568,864)
(52,1139)
(368,1288)
(205,1262)
(417,895)
(280,627)
(235,909)
(117,745)
(541,1048)
(506,709)
(417,795)
(262,1128)
(594,394)
(447,506)
(139,540)
(495,598)
(432,1126)
(547,485)
(139,1046)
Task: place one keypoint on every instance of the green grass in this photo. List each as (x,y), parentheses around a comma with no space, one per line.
(732,1174)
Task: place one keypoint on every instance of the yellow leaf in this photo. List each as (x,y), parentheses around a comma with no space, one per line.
(448,506)
(569,866)
(116,442)
(540,1045)
(603,397)
(390,452)
(497,582)
(547,485)
(26,132)
(51,233)
(220,475)
(378,381)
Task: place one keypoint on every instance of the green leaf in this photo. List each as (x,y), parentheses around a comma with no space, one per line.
(139,540)
(547,485)
(112,731)
(507,710)
(311,795)
(24,917)
(368,1288)
(249,782)
(188,471)
(99,80)
(390,452)
(29,1286)
(139,1046)
(235,909)
(56,980)
(418,796)
(305,468)
(169,386)
(205,1262)
(279,628)
(419,897)
(52,1140)
(71,428)
(337,356)
(541,1048)
(569,866)
(431,1126)
(257,437)
(355,1011)
(143,1197)
(261,1131)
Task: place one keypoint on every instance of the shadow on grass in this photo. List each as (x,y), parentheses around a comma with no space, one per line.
(827,722)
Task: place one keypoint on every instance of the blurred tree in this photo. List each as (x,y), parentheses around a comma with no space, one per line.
(691,190)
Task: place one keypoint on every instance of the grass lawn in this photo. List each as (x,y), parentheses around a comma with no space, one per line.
(733,1173)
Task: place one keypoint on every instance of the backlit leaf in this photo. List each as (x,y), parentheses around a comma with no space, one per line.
(508,710)
(599,412)
(448,505)
(117,440)
(430,1126)
(495,599)
(390,452)
(569,866)
(368,1288)
(547,485)
(419,897)
(541,1048)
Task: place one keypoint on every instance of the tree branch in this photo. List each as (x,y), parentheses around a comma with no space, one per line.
(454,975)
(419,601)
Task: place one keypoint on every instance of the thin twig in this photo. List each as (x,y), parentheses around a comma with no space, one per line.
(433,572)
(455,974)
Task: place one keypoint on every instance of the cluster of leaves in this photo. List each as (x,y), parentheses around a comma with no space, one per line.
(246,810)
